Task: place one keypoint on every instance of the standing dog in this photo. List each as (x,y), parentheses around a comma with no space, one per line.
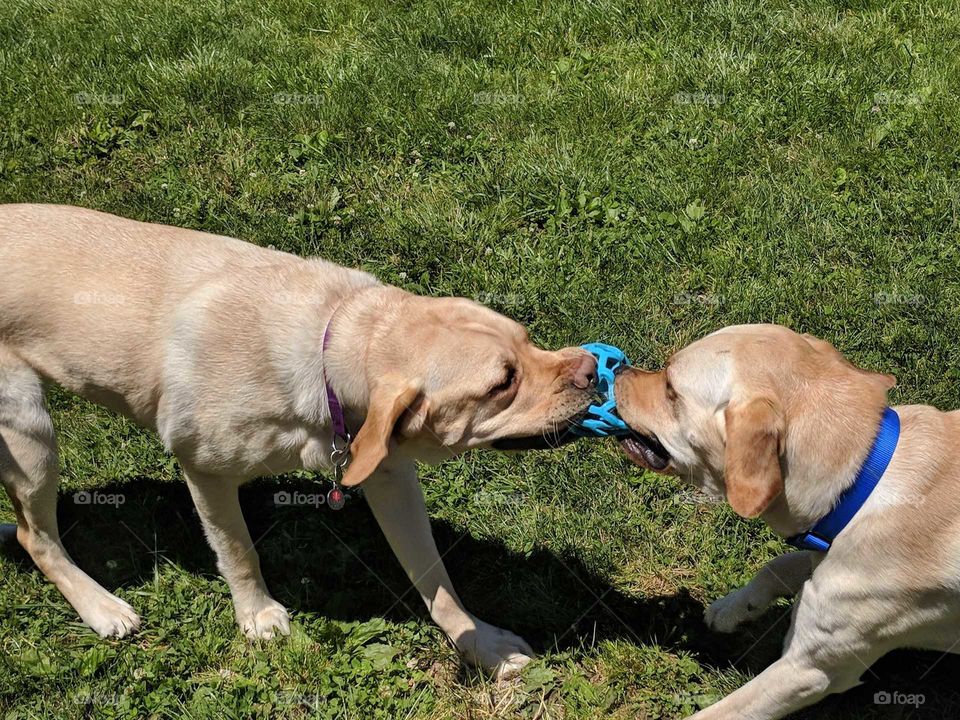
(781,424)
(218,345)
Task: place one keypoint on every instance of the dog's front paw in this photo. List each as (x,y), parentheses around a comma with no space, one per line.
(732,610)
(108,615)
(497,651)
(266,621)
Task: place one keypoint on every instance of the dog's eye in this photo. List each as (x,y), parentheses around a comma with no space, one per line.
(507,383)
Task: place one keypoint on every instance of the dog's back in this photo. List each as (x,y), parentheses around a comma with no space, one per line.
(74,284)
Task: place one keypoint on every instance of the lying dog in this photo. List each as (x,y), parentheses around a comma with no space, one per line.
(226,349)
(781,424)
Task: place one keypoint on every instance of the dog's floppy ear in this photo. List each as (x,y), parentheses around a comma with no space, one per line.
(390,398)
(754,430)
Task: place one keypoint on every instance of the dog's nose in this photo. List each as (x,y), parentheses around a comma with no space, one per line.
(585,372)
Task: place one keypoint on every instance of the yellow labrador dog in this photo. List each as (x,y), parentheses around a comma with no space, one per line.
(218,345)
(782,426)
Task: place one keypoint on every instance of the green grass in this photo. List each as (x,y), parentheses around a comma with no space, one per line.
(638,172)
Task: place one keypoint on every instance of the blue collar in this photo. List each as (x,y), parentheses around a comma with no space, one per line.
(822,535)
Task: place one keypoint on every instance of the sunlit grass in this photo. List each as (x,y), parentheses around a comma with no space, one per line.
(639,173)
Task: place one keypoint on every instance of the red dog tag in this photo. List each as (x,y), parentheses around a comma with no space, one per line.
(336,498)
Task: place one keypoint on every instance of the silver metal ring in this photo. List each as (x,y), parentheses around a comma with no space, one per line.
(342,443)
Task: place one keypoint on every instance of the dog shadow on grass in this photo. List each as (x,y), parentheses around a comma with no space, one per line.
(338,564)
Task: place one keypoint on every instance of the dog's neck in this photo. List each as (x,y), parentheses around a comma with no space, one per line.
(357,307)
(356,325)
(821,462)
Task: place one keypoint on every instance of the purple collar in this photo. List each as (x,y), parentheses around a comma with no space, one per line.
(333,404)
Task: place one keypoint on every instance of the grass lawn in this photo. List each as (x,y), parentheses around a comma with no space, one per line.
(637,172)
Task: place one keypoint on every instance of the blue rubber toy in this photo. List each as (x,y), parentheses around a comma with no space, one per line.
(602,420)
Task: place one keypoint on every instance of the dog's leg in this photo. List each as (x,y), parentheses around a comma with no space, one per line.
(395,497)
(824,653)
(781,577)
(258,614)
(28,470)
